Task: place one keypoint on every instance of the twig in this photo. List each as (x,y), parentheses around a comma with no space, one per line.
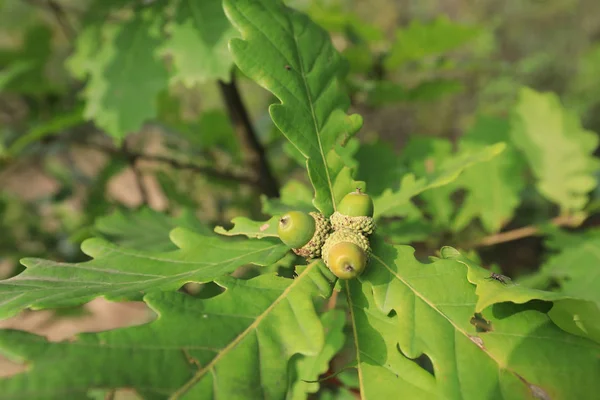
(254,152)
(110,395)
(139,178)
(526,231)
(208,171)
(62,19)
(59,14)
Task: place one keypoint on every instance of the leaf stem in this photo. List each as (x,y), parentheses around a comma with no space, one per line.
(254,152)
(526,231)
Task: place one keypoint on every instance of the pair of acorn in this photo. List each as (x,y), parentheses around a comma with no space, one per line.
(341,241)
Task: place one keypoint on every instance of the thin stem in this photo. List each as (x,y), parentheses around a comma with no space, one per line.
(139,178)
(526,231)
(254,152)
(59,14)
(61,17)
(205,170)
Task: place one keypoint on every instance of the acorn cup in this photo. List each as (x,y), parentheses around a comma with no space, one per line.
(346,253)
(355,212)
(304,233)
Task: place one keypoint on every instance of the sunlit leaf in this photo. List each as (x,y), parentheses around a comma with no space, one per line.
(507,351)
(494,187)
(420,40)
(292,57)
(198,42)
(119,272)
(557,148)
(201,349)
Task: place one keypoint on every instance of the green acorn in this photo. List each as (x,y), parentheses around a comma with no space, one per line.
(304,233)
(346,253)
(355,212)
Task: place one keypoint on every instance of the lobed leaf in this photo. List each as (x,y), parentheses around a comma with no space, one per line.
(557,148)
(309,368)
(397,203)
(294,195)
(494,187)
(430,309)
(292,57)
(251,229)
(420,40)
(125,73)
(145,229)
(222,347)
(198,42)
(118,272)
(383,371)
(575,311)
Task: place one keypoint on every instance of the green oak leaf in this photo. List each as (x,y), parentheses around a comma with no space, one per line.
(383,371)
(145,229)
(125,74)
(118,272)
(309,368)
(420,40)
(494,187)
(575,311)
(397,203)
(251,229)
(425,156)
(558,149)
(221,347)
(294,195)
(378,165)
(429,309)
(285,52)
(198,42)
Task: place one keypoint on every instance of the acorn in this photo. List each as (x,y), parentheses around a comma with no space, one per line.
(304,233)
(346,253)
(355,212)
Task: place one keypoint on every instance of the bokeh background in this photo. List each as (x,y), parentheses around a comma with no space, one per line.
(62,177)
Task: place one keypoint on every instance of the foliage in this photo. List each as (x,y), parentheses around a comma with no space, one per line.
(164,130)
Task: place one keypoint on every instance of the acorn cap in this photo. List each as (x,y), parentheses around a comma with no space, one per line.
(364,225)
(356,204)
(312,249)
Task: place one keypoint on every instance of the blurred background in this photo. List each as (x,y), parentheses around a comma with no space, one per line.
(419,72)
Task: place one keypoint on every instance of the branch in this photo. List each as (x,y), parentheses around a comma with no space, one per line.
(526,231)
(254,153)
(59,14)
(208,171)
(139,178)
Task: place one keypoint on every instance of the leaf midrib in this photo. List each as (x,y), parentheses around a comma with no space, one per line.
(440,312)
(253,326)
(314,118)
